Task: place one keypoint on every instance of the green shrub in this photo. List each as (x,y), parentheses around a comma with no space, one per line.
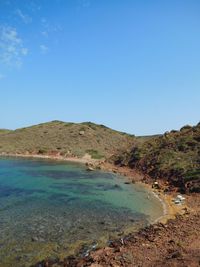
(94,154)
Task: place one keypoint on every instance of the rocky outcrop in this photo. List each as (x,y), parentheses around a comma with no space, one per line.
(173,244)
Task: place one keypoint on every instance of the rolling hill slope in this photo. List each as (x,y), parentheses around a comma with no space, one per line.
(173,156)
(66,139)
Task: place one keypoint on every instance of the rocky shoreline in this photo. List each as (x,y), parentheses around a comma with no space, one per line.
(165,243)
(175,243)
(172,244)
(132,176)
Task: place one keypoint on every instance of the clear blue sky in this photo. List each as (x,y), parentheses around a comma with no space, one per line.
(133,65)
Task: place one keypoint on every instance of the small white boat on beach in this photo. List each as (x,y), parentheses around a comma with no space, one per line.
(179,199)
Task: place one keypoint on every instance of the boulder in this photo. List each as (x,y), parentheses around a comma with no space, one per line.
(82,132)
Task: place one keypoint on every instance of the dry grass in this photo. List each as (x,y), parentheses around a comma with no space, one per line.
(174,156)
(67,139)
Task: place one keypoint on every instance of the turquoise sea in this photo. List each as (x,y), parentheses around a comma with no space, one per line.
(52,209)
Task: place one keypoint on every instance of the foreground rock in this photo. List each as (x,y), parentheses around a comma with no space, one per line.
(176,243)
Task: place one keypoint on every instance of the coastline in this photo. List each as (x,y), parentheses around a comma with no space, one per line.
(170,210)
(84,160)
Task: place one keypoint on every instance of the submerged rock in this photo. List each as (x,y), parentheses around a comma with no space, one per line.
(89,168)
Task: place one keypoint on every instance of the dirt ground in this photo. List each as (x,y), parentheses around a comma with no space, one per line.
(170,244)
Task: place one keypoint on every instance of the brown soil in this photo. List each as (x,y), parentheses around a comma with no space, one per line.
(175,243)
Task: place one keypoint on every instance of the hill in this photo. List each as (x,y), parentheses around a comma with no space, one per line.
(66,139)
(173,156)
(4,131)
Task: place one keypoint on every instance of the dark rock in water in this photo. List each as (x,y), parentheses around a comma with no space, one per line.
(117,186)
(37,239)
(34,239)
(90,168)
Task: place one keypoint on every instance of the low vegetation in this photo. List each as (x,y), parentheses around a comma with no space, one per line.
(66,139)
(4,131)
(174,156)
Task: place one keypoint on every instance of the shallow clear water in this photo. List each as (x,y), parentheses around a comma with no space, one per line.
(50,208)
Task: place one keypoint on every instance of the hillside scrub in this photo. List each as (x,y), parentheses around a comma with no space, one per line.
(66,139)
(174,157)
